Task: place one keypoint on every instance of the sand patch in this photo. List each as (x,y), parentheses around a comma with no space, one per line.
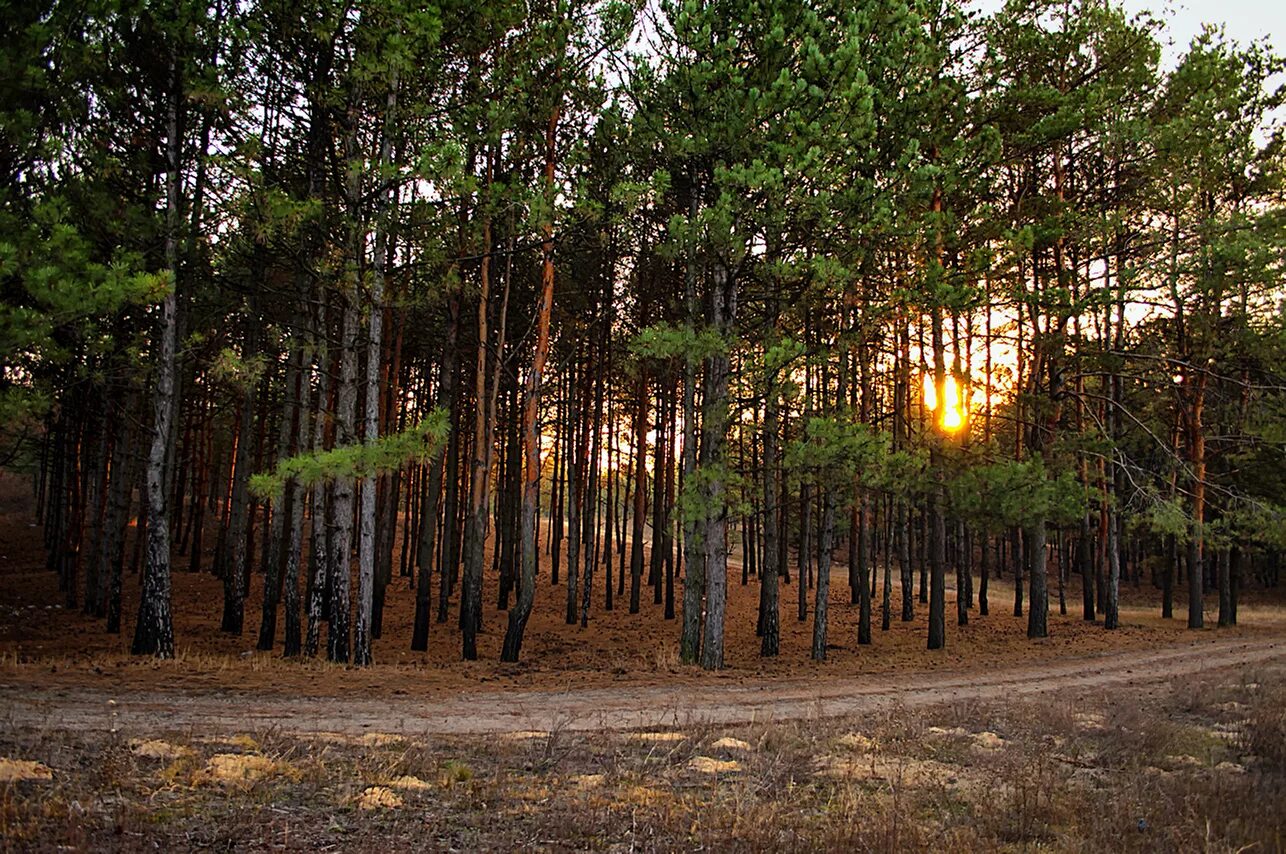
(1093,721)
(370,739)
(643,796)
(244,742)
(406,781)
(857,741)
(899,771)
(378,798)
(380,739)
(158,749)
(326,737)
(658,736)
(710,765)
(1229,731)
(987,740)
(245,768)
(23,770)
(525,735)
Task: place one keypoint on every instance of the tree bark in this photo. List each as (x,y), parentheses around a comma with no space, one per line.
(694,575)
(431,508)
(769,608)
(367,543)
(321,491)
(822,591)
(476,522)
(273,578)
(154,631)
(530,522)
(640,491)
(714,428)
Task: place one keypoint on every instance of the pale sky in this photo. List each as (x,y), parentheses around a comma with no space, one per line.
(1244,20)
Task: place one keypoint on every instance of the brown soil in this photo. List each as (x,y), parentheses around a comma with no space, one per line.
(45,646)
(537,713)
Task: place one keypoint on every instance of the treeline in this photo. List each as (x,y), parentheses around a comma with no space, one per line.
(351,292)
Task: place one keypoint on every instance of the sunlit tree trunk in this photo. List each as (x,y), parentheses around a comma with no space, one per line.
(521,611)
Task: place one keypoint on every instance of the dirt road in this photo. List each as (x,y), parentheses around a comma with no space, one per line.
(615,708)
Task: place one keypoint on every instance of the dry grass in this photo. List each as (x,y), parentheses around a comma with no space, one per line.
(1264,729)
(1199,767)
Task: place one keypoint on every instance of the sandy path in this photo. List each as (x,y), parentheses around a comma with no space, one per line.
(614,708)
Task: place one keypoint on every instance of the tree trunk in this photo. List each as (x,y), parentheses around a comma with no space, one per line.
(154,632)
(1197,455)
(367,543)
(1111,614)
(769,609)
(694,574)
(938,533)
(1038,614)
(273,578)
(1168,575)
(476,522)
(577,477)
(984,571)
(822,592)
(1019,561)
(904,561)
(863,570)
(295,542)
(667,536)
(339,548)
(886,602)
(97,474)
(593,483)
(962,576)
(431,508)
(1085,563)
(714,428)
(519,615)
(319,556)
(1234,582)
(805,549)
(124,473)
(640,492)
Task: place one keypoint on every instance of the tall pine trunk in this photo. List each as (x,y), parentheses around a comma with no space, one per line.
(769,607)
(694,568)
(367,543)
(521,612)
(154,631)
(714,428)
(431,509)
(823,588)
(476,521)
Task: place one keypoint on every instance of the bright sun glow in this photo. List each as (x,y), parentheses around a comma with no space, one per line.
(952,419)
(952,410)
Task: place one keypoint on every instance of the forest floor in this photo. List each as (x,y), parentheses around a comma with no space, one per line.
(46,646)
